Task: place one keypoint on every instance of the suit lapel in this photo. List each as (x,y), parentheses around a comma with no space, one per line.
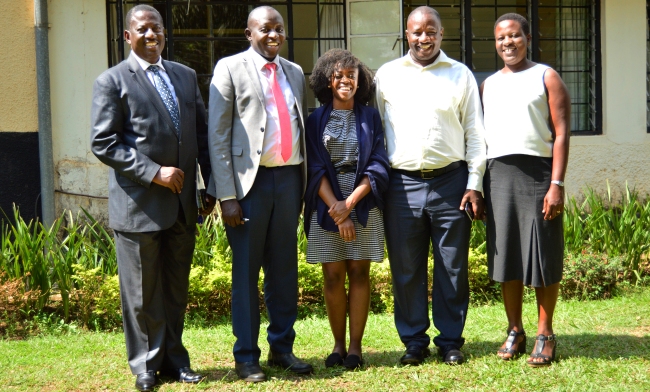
(140,77)
(249,64)
(295,84)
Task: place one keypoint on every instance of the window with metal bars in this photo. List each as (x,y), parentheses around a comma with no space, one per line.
(565,35)
(199,33)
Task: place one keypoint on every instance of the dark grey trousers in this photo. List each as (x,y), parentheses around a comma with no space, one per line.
(267,241)
(154,269)
(419,211)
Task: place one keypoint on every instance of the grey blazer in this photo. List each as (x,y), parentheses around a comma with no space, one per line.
(237,119)
(133,133)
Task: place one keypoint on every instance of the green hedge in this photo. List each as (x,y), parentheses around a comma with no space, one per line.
(68,271)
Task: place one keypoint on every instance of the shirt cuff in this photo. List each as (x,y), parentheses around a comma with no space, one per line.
(475,182)
(227,198)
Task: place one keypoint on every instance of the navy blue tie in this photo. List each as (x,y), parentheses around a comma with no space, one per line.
(166,95)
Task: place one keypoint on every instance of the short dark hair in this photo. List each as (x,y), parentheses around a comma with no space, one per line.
(425,9)
(525,26)
(334,59)
(137,8)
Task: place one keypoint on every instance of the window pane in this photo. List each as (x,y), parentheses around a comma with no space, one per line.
(493,3)
(374,17)
(194,54)
(451,47)
(305,54)
(374,51)
(305,21)
(332,21)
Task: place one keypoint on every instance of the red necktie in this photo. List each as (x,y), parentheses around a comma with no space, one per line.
(283,114)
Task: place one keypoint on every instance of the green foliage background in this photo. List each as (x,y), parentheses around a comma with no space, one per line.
(68,273)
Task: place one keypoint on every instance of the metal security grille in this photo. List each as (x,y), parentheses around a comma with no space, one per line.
(565,35)
(199,33)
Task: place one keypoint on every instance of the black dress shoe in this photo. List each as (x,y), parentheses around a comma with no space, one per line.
(146,381)
(414,355)
(289,362)
(334,359)
(250,371)
(184,374)
(353,362)
(451,355)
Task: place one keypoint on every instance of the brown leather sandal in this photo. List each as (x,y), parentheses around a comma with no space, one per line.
(540,342)
(514,346)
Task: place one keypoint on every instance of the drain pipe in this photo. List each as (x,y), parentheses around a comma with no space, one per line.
(44,112)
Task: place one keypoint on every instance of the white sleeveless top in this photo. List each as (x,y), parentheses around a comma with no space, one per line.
(517,114)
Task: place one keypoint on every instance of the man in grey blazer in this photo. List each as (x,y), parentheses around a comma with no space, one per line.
(257,150)
(149,125)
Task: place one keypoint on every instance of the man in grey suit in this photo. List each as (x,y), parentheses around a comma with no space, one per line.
(149,125)
(257,150)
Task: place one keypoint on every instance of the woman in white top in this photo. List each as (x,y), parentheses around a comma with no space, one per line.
(527,123)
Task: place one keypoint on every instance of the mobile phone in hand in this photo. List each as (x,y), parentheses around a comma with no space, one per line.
(469,211)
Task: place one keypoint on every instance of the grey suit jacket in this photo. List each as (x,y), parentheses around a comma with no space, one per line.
(133,133)
(237,118)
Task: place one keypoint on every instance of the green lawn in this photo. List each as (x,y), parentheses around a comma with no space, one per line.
(602,345)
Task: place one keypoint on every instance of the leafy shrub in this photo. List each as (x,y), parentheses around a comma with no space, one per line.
(107,312)
(592,276)
(604,226)
(15,305)
(210,290)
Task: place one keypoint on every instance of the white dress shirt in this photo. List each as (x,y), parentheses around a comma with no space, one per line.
(271,153)
(432,116)
(163,73)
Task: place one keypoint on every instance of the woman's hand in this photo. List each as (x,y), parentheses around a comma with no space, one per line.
(553,202)
(340,210)
(346,230)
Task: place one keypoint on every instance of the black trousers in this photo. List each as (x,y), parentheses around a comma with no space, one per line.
(154,269)
(266,241)
(418,212)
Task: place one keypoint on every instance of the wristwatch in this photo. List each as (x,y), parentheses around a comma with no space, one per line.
(558,183)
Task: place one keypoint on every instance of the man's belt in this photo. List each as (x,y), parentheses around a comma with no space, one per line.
(428,174)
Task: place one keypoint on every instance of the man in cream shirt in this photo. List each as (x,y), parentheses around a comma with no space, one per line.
(433,123)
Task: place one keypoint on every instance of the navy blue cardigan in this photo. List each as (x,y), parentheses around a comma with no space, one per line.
(372,162)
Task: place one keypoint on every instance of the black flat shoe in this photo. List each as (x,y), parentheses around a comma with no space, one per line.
(451,355)
(540,343)
(414,355)
(515,345)
(334,359)
(184,374)
(146,381)
(250,371)
(353,362)
(288,361)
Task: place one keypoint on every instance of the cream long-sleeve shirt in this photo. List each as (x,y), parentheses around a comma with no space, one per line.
(432,116)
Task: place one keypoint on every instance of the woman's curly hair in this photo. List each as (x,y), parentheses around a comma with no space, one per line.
(335,59)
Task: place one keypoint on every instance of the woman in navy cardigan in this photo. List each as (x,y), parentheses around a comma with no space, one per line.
(347,175)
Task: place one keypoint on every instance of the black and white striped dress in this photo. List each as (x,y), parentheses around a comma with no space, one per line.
(340,140)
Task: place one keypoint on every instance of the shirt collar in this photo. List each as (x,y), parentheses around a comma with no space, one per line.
(442,58)
(145,64)
(260,62)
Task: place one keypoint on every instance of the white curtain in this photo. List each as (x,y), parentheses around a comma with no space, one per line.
(331,26)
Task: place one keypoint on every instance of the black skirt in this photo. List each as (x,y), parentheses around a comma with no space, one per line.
(521,245)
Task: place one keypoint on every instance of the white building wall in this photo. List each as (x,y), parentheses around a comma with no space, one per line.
(78,54)
(622,153)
